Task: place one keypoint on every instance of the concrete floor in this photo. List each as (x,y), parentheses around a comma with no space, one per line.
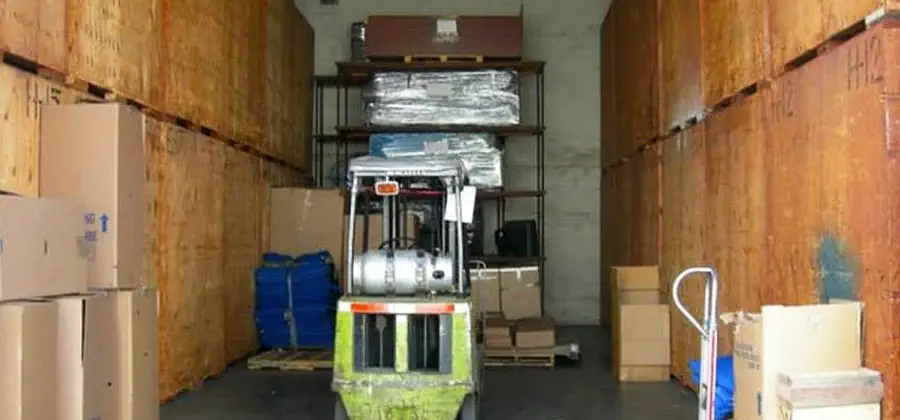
(581,392)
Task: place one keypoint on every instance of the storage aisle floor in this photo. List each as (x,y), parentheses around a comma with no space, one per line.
(585,392)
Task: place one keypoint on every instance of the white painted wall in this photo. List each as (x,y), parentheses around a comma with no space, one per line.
(566,34)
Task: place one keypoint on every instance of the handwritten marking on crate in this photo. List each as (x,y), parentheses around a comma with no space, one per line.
(301,359)
(495,357)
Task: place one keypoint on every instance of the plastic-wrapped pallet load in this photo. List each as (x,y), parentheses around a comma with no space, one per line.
(483,97)
(483,160)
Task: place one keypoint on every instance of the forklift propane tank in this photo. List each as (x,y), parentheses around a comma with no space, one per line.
(402,272)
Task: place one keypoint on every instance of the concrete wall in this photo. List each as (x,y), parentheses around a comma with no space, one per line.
(565,33)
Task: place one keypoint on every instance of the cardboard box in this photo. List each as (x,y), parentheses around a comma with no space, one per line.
(520,293)
(535,333)
(799,339)
(485,289)
(121,355)
(92,154)
(497,333)
(42,250)
(28,355)
(306,220)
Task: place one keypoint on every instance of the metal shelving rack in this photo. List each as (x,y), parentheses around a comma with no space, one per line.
(354,75)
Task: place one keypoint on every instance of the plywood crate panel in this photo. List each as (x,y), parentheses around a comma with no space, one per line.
(301,105)
(275,48)
(115,44)
(21,97)
(244,55)
(191,275)
(684,201)
(734,47)
(194,71)
(243,201)
(636,73)
(833,190)
(799,26)
(680,59)
(717,218)
(35,30)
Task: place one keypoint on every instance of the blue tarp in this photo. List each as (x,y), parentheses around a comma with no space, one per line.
(724,393)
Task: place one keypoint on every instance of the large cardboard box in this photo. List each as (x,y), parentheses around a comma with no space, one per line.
(92,154)
(307,220)
(121,355)
(640,325)
(520,292)
(796,339)
(28,357)
(42,249)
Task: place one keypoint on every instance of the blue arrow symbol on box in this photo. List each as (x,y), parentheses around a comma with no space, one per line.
(104,219)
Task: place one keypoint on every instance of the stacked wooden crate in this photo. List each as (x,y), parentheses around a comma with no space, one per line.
(772,156)
(211,77)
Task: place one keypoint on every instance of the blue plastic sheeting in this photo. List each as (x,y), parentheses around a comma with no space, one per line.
(724,394)
(296,300)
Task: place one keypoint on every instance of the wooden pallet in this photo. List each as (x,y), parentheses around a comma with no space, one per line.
(300,359)
(513,357)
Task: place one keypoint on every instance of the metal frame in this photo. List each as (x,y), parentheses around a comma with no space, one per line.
(342,84)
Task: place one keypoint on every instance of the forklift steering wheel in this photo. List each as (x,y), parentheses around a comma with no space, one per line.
(398,240)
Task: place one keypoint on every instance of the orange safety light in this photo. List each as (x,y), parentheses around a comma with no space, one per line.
(387,188)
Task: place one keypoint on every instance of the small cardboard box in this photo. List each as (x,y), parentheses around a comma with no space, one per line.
(520,293)
(497,332)
(799,339)
(485,289)
(535,333)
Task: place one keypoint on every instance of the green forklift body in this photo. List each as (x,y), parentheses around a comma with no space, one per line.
(396,387)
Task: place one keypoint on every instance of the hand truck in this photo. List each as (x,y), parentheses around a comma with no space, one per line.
(709,337)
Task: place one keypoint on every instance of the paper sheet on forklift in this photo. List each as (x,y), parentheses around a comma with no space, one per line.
(468,205)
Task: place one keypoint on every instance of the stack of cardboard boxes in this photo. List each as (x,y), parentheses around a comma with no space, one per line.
(640,325)
(508,306)
(792,345)
(78,323)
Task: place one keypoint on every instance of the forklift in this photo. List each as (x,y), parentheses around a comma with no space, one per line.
(405,346)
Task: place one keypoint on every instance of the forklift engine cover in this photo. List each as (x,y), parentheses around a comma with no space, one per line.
(402,272)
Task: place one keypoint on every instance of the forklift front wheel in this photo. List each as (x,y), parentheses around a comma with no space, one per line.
(340,413)
(471,408)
